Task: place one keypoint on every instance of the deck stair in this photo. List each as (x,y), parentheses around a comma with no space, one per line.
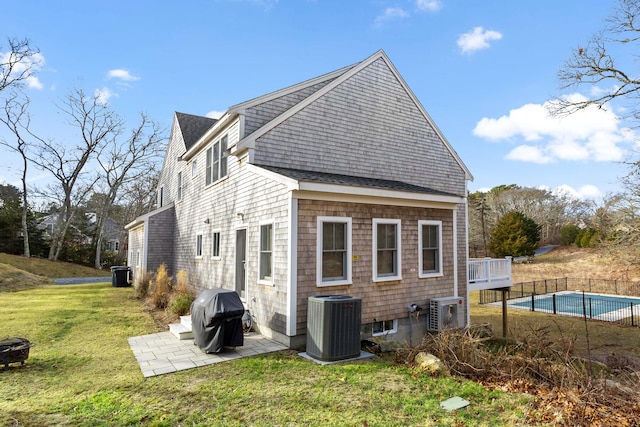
(183,329)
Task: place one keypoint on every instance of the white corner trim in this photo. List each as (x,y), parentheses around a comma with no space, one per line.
(292,261)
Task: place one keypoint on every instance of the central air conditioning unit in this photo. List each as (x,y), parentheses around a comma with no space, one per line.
(333,327)
(446,313)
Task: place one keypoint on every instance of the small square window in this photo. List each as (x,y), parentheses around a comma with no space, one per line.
(384,327)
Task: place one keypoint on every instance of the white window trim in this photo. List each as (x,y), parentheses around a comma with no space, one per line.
(180,186)
(199,235)
(398,224)
(388,331)
(160,200)
(222,158)
(269,282)
(213,232)
(439,273)
(194,168)
(320,221)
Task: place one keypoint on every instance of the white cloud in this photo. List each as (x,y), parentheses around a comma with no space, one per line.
(33,63)
(477,39)
(528,153)
(390,13)
(121,74)
(213,114)
(585,192)
(429,5)
(590,134)
(103,95)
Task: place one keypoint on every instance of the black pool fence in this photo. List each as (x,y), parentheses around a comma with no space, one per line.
(542,296)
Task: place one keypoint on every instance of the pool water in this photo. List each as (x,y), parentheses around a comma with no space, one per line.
(573,303)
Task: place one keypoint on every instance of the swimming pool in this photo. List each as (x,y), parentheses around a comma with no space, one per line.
(595,306)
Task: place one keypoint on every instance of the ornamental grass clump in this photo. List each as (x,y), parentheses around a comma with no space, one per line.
(160,288)
(141,284)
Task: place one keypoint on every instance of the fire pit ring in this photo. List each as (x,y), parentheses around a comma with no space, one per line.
(14,350)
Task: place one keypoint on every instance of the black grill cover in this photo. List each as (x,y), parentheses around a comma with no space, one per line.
(216,320)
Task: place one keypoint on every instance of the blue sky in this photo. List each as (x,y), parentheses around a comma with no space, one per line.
(482,69)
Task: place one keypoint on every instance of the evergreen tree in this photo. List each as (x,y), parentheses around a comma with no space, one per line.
(515,234)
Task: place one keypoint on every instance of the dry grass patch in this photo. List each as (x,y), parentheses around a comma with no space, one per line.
(13,279)
(580,263)
(53,269)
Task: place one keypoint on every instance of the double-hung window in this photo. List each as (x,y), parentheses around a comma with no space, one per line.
(199,245)
(333,251)
(215,244)
(179,186)
(430,248)
(216,162)
(387,262)
(266,253)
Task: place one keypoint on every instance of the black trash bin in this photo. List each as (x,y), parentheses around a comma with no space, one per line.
(216,320)
(120,276)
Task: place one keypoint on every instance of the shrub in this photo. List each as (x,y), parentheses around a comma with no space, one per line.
(586,238)
(568,234)
(160,289)
(141,284)
(182,295)
(180,304)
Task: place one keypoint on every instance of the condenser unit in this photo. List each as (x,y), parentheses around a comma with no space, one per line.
(445,313)
(333,327)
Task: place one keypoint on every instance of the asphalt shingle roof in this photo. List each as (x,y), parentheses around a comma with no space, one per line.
(193,127)
(357,181)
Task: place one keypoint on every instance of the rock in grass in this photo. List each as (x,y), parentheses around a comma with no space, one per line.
(429,362)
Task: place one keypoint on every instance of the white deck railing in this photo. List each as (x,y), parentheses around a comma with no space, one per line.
(489,273)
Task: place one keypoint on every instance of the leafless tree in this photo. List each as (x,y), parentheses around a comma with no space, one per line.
(69,164)
(607,59)
(18,64)
(124,162)
(16,118)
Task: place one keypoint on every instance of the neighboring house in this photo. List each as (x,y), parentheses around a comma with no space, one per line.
(341,184)
(112,237)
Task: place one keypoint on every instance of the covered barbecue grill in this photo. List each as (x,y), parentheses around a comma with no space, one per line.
(216,320)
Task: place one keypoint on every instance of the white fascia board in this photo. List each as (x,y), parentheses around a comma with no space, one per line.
(405,199)
(218,128)
(134,224)
(290,183)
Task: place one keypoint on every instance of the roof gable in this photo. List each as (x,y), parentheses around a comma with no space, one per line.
(249,141)
(193,127)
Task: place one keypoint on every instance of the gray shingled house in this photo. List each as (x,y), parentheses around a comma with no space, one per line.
(341,184)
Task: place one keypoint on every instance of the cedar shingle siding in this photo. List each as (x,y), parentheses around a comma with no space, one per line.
(351,143)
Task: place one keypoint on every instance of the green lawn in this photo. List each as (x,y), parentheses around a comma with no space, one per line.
(81,372)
